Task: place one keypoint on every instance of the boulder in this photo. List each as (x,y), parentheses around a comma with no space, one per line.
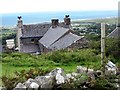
(91,74)
(81,69)
(34,85)
(45,81)
(71,76)
(75,74)
(56,71)
(59,79)
(110,68)
(59,75)
(20,86)
(28,82)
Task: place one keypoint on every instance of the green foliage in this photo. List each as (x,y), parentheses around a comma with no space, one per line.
(113,48)
(8,33)
(82,80)
(83,56)
(8,36)
(103,84)
(62,58)
(76,84)
(10,82)
(42,64)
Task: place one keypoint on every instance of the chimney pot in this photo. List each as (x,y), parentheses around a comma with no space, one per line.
(55,23)
(67,20)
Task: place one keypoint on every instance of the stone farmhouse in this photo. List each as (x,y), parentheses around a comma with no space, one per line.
(46,37)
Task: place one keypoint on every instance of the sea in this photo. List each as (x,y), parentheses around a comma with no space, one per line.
(42,17)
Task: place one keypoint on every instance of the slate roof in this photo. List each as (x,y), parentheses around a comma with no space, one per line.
(52,35)
(35,30)
(65,41)
(115,33)
(38,30)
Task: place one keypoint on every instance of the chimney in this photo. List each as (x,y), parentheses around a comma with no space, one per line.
(55,23)
(67,20)
(19,31)
(20,22)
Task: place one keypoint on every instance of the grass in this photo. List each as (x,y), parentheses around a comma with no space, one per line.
(68,60)
(30,66)
(9,71)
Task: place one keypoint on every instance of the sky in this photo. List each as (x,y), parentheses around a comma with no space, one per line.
(20,6)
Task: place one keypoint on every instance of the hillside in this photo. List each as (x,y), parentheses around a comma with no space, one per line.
(110,20)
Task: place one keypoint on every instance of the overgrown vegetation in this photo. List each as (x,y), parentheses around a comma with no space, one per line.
(18,67)
(100,83)
(22,76)
(112,48)
(57,58)
(8,34)
(29,66)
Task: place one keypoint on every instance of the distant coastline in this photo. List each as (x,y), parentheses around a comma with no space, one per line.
(41,17)
(109,20)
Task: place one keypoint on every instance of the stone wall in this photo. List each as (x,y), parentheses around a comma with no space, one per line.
(84,79)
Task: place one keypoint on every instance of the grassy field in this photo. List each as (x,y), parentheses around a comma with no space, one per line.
(30,66)
(68,60)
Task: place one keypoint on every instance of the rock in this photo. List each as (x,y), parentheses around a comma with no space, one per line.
(95,74)
(59,78)
(55,77)
(20,86)
(59,75)
(99,72)
(55,71)
(71,76)
(118,73)
(91,75)
(110,64)
(34,85)
(45,81)
(75,74)
(81,69)
(90,70)
(110,68)
(28,82)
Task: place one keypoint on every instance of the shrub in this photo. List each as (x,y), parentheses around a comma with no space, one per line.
(83,57)
(103,84)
